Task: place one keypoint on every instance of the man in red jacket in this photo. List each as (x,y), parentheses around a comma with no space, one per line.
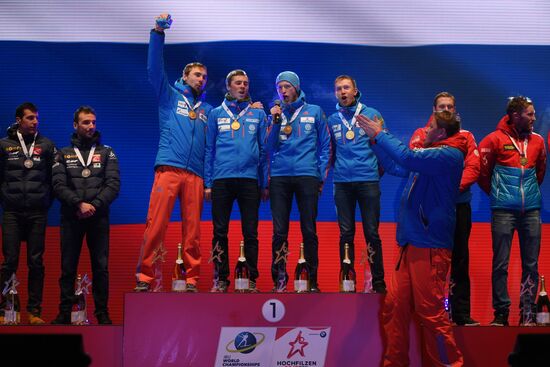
(459,294)
(513,164)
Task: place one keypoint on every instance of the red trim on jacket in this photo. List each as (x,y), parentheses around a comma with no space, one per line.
(497,148)
(471,161)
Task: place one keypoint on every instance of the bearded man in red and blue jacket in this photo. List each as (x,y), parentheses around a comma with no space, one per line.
(513,164)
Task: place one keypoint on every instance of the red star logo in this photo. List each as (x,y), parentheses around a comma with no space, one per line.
(297,349)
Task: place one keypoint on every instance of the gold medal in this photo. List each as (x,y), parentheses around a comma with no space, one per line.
(523,161)
(86,172)
(287,129)
(350,135)
(235,125)
(192,114)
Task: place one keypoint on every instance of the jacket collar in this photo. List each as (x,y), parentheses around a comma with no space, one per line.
(82,143)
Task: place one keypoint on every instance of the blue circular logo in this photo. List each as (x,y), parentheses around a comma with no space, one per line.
(245,342)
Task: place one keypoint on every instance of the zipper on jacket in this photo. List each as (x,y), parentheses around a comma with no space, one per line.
(521,189)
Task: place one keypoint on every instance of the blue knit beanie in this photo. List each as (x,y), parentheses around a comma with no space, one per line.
(291,77)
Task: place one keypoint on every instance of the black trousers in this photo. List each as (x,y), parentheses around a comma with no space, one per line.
(282,189)
(347,195)
(73,230)
(29,226)
(460,277)
(247,193)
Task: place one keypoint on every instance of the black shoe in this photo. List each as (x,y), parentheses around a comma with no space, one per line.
(103,318)
(465,321)
(501,319)
(379,287)
(191,288)
(314,289)
(142,287)
(62,318)
(252,287)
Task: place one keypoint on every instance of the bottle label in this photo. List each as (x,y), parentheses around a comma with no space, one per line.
(11,317)
(75,317)
(348,286)
(178,285)
(543,317)
(78,318)
(300,285)
(242,284)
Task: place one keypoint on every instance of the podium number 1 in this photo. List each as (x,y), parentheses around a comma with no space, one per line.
(273,310)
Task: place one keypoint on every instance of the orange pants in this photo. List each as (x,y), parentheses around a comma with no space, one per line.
(171,183)
(418,288)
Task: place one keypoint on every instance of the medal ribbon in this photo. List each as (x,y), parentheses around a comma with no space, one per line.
(516,144)
(231,115)
(294,115)
(28,153)
(81,159)
(189,103)
(354,119)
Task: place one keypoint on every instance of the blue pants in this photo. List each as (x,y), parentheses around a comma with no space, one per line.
(528,226)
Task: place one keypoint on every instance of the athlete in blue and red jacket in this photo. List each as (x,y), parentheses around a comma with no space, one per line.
(179,166)
(459,296)
(425,231)
(513,164)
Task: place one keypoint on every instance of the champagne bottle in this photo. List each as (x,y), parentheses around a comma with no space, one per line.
(178,278)
(242,277)
(12,312)
(543,305)
(301,274)
(79,314)
(347,273)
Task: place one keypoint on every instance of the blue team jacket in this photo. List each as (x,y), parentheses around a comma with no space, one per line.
(353,160)
(427,209)
(236,153)
(182,139)
(306,151)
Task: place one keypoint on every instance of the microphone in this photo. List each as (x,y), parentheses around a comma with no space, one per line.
(277,116)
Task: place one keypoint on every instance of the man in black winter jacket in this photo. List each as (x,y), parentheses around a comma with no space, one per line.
(26,160)
(86,180)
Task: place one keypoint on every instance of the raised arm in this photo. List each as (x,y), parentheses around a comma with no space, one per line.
(155,58)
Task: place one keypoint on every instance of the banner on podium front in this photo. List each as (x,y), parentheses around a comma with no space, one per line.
(272,346)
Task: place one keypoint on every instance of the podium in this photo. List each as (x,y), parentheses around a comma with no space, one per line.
(262,329)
